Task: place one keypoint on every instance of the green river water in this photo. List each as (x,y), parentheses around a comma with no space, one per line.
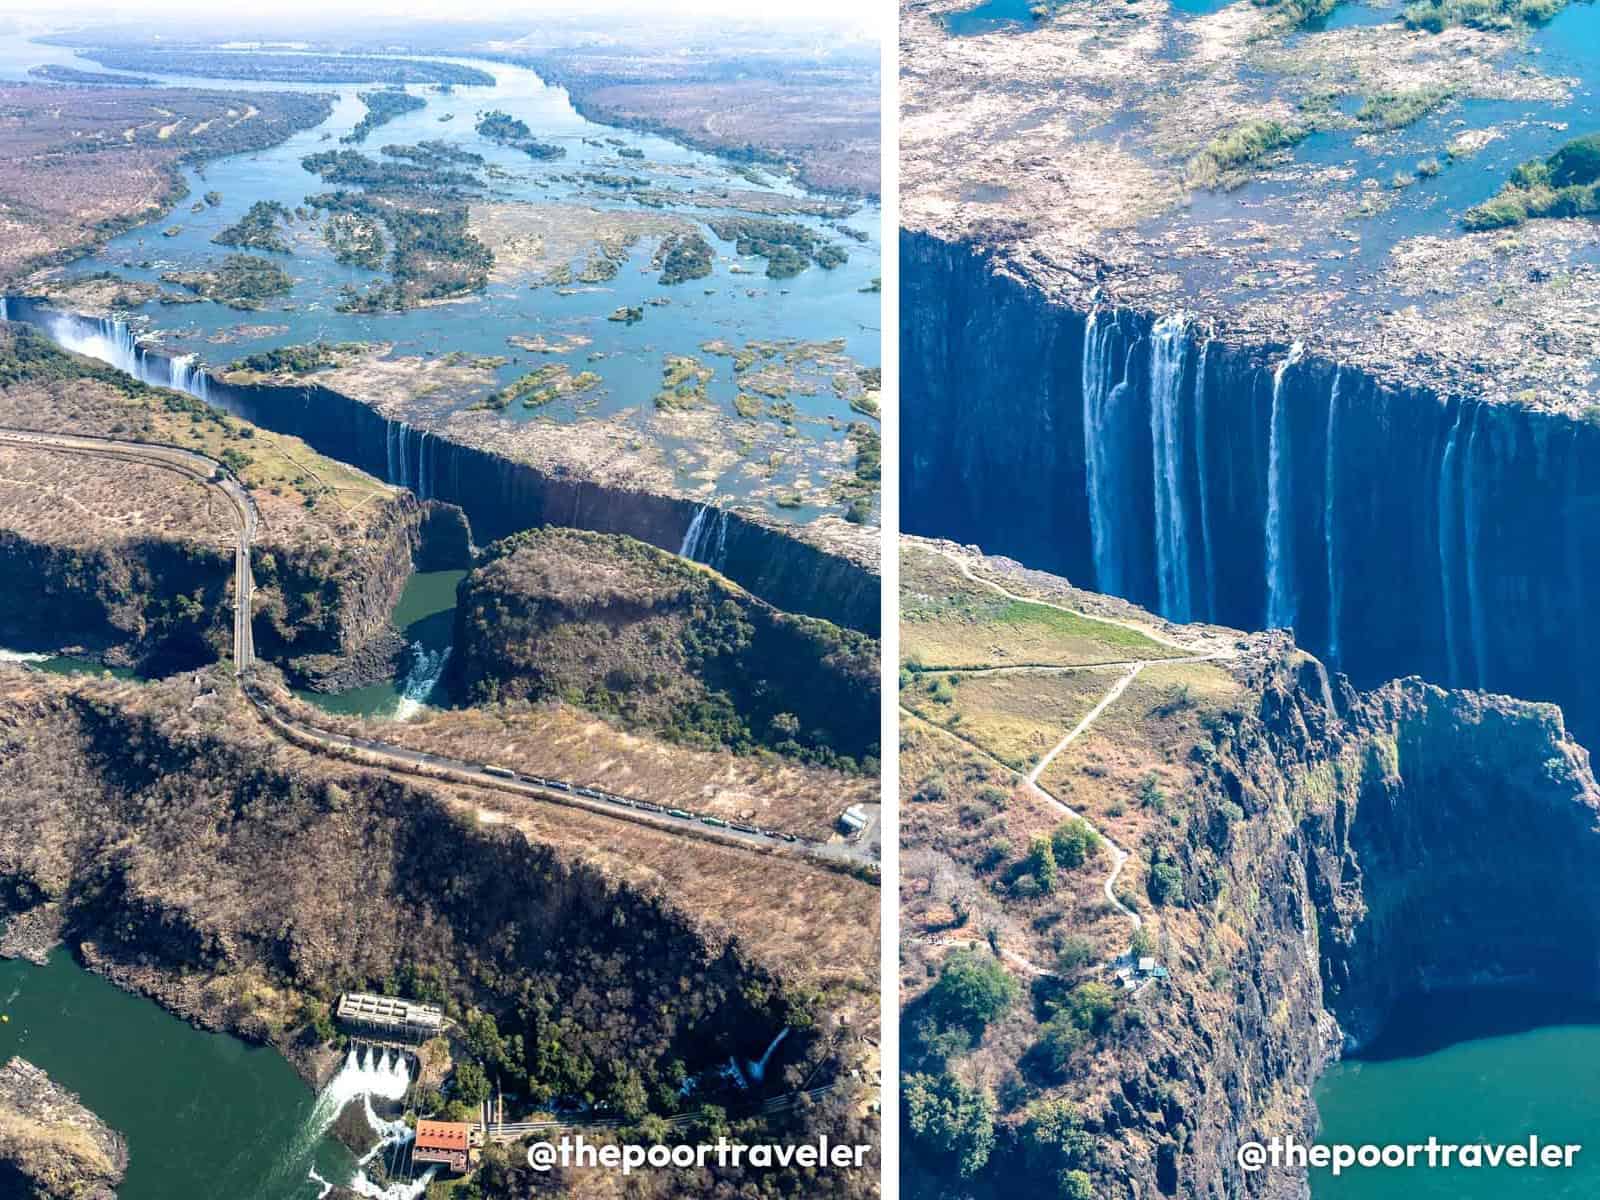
(426,616)
(1491,1067)
(205,1115)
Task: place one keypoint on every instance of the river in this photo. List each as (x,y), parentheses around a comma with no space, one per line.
(1485,1067)
(425,616)
(206,1116)
(736,305)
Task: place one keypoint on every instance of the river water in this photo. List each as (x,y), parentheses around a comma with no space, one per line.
(206,1116)
(1485,1067)
(737,304)
(426,617)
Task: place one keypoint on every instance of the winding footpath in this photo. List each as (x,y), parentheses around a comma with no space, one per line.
(386,755)
(1130,670)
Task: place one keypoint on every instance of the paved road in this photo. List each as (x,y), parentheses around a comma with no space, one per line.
(855,853)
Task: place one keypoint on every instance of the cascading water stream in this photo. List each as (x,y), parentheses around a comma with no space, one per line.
(1167,349)
(367,1074)
(706,540)
(1279,534)
(1449,533)
(1201,474)
(1330,517)
(691,537)
(1471,522)
(1097,398)
(427,668)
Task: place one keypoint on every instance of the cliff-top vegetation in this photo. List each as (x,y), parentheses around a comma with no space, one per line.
(665,645)
(590,968)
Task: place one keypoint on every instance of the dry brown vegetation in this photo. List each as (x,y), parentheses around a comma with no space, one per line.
(557,740)
(76,500)
(78,165)
(242,884)
(303,496)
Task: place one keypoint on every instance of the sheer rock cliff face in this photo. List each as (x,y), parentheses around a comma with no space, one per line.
(822,571)
(163,603)
(51,1146)
(1394,529)
(1397,840)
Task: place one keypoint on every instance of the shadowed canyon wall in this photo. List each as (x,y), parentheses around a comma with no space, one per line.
(500,496)
(1395,530)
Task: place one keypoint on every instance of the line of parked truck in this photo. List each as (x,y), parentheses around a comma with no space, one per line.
(561,785)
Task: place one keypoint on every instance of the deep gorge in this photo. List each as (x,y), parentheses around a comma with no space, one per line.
(500,496)
(1397,531)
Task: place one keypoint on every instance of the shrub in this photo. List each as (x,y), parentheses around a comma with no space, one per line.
(972,991)
(1074,842)
(951,1119)
(1042,862)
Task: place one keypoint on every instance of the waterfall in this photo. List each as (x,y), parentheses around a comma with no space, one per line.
(1201,469)
(1330,531)
(758,1069)
(5,314)
(401,475)
(691,537)
(1167,348)
(370,1072)
(427,667)
(1097,470)
(1448,534)
(706,540)
(719,556)
(188,377)
(111,341)
(1280,548)
(391,439)
(1471,515)
(422,466)
(108,339)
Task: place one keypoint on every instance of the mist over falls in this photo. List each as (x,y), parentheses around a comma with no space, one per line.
(499,495)
(1395,530)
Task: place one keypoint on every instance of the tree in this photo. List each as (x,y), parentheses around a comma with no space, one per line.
(471,1084)
(1076,952)
(1151,795)
(951,1119)
(1165,884)
(1141,945)
(1055,1144)
(972,990)
(1085,1013)
(1042,862)
(1076,1185)
(1090,1005)
(1074,842)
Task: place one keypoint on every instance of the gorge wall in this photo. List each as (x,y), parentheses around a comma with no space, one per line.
(1342,851)
(1395,530)
(500,496)
(233,878)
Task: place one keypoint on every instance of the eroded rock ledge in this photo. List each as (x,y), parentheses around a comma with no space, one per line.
(51,1146)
